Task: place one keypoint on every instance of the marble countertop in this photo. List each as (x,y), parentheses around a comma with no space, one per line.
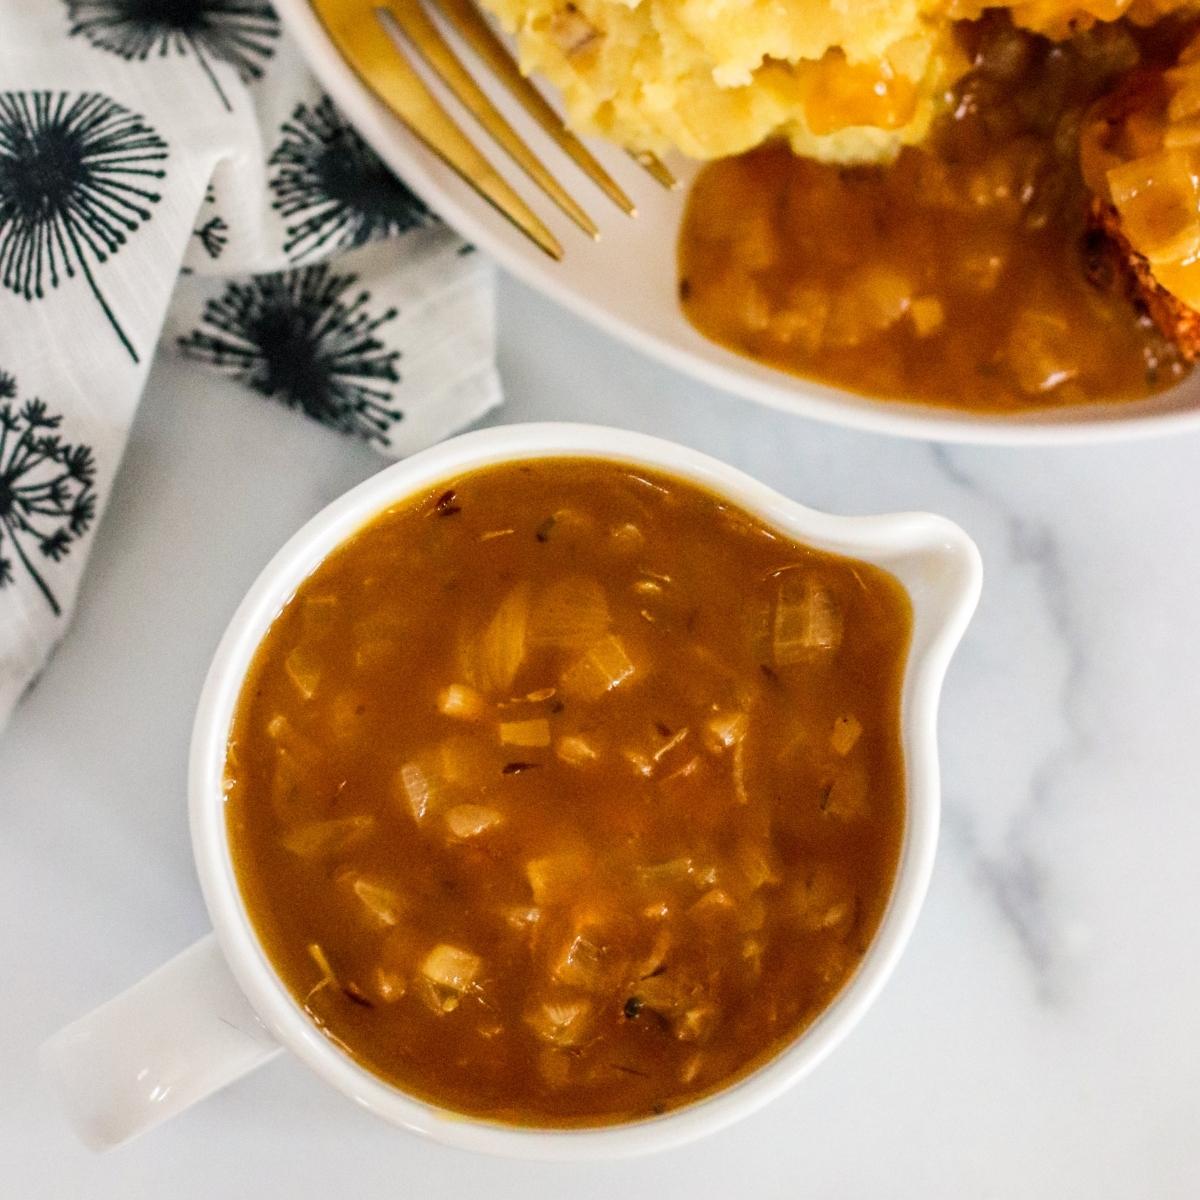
(1039,1039)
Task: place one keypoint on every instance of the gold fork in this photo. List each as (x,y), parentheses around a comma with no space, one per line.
(364,32)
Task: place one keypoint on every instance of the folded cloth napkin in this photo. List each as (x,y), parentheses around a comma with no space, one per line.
(176,153)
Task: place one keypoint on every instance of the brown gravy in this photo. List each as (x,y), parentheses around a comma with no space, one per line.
(962,274)
(568,793)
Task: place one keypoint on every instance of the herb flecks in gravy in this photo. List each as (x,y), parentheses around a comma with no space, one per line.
(568,793)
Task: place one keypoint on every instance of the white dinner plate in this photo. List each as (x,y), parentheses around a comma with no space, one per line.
(626,283)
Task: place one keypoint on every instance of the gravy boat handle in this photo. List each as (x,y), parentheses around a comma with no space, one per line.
(170,1040)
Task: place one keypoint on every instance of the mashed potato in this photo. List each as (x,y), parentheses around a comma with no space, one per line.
(842,80)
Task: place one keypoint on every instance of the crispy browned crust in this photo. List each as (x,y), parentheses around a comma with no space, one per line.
(1109,252)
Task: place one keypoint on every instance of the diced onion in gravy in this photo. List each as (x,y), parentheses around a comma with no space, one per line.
(384,903)
(571,613)
(724,730)
(577,750)
(602,667)
(534,732)
(462,702)
(315,839)
(304,671)
(470,820)
(562,1021)
(494,657)
(847,729)
(807,620)
(448,972)
(416,789)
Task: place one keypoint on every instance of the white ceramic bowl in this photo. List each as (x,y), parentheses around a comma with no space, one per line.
(626,282)
(188,1030)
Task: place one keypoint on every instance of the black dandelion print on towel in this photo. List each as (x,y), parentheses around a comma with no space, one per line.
(213,235)
(212,232)
(77,177)
(46,498)
(298,338)
(336,187)
(241,33)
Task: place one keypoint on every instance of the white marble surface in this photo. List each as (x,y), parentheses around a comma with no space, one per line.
(1039,1039)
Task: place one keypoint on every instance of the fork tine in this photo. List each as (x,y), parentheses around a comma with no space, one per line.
(478,34)
(658,170)
(419,29)
(374,56)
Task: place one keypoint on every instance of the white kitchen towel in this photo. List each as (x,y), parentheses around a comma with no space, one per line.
(176,155)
